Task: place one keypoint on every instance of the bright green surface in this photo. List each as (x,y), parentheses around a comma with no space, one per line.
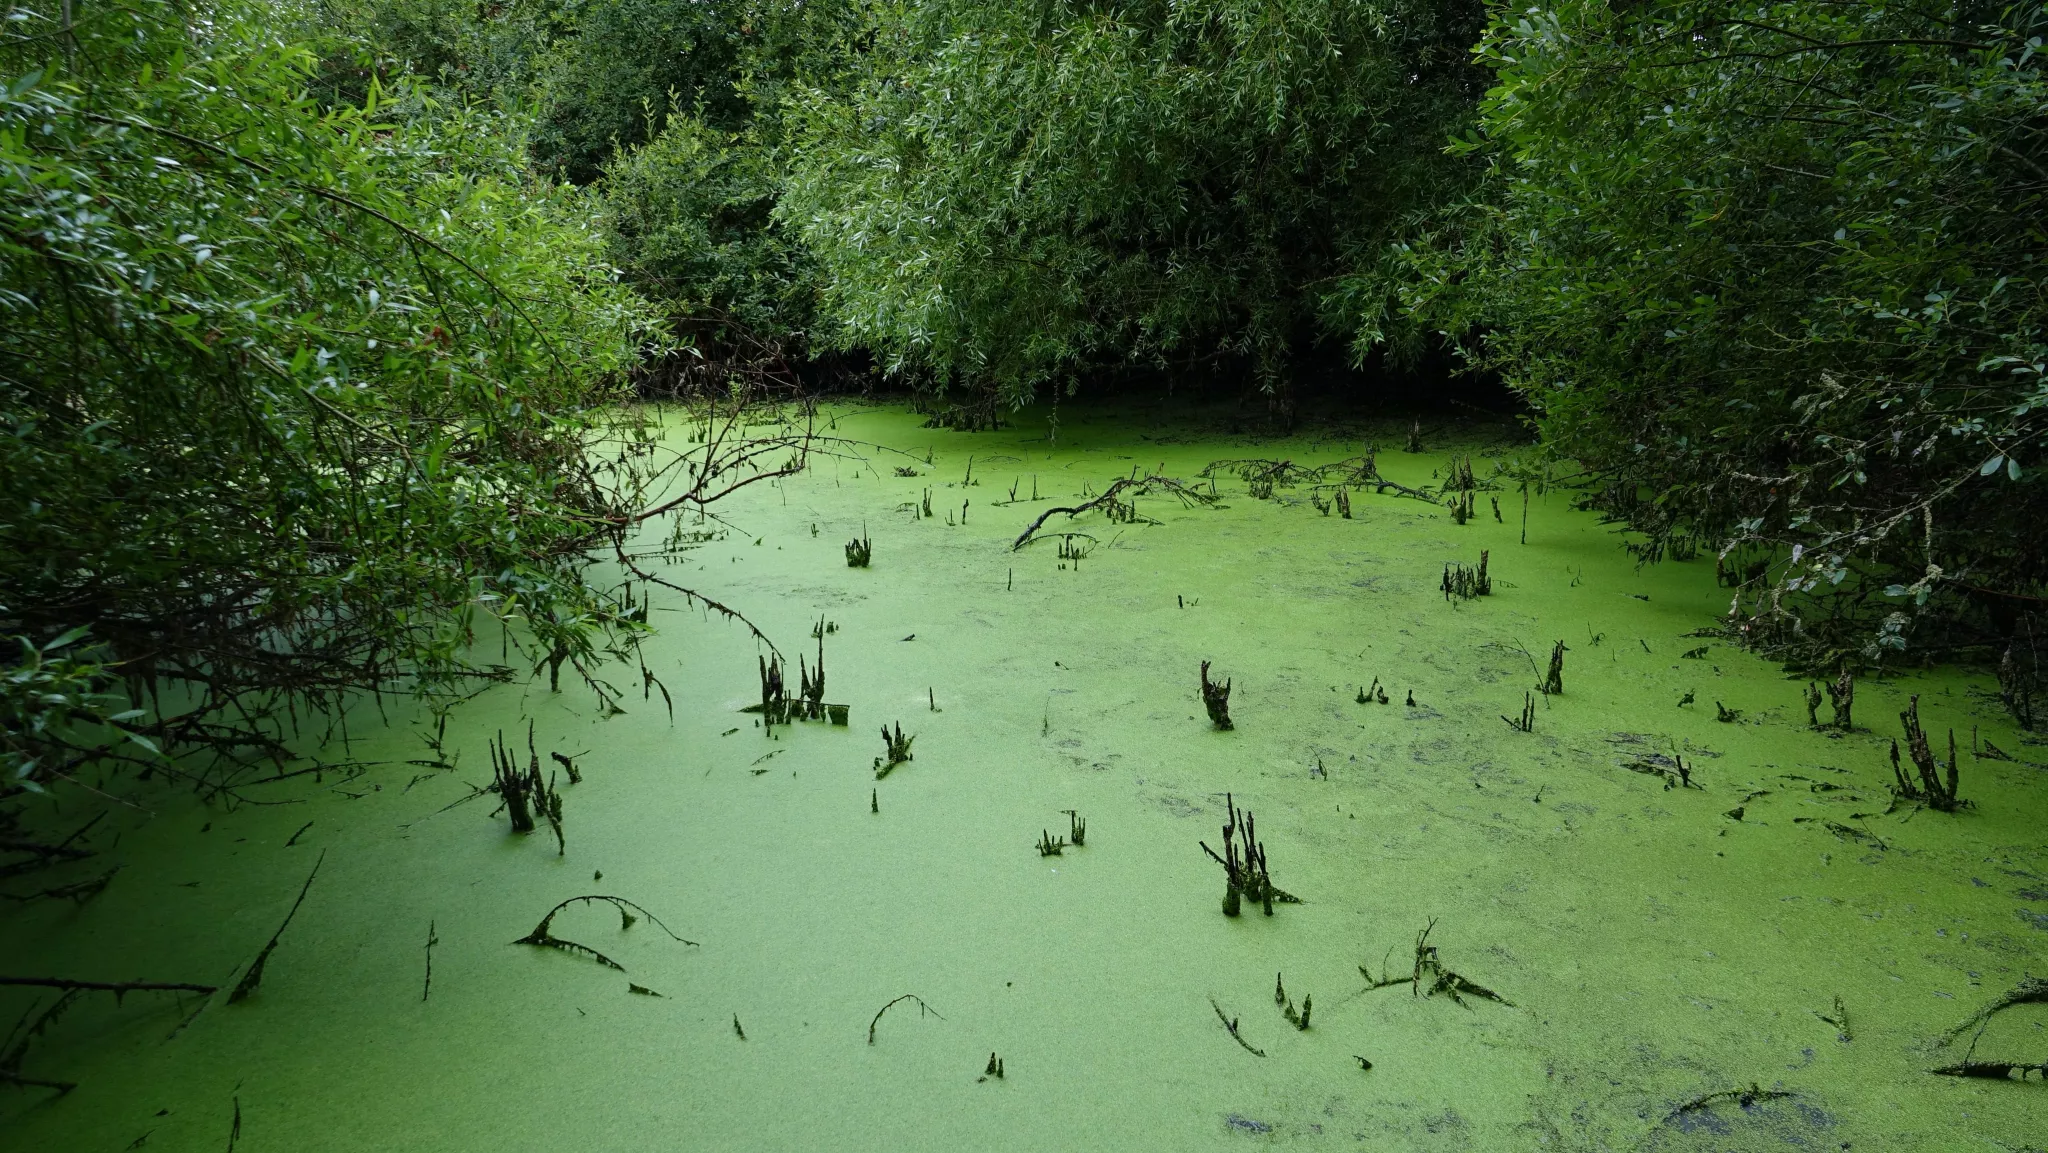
(1654,949)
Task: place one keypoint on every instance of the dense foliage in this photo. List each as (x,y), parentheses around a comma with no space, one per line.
(293,394)
(1773,274)
(1009,195)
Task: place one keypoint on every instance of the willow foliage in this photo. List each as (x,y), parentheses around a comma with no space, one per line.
(292,394)
(1774,274)
(1006,195)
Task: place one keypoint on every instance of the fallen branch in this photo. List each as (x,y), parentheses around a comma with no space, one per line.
(1117,508)
(922,1009)
(1230,1026)
(253,976)
(115,987)
(544,938)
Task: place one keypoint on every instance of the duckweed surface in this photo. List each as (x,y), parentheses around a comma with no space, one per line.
(1772,959)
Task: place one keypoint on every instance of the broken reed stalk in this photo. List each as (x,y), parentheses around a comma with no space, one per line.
(1245,874)
(629,912)
(1812,705)
(569,766)
(1553,681)
(922,1009)
(1049,845)
(427,986)
(896,750)
(253,975)
(546,800)
(774,691)
(1526,723)
(1461,506)
(1216,699)
(1462,583)
(1295,1017)
(1077,827)
(1842,697)
(1932,789)
(514,786)
(860,550)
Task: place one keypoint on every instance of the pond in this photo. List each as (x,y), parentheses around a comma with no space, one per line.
(1666,914)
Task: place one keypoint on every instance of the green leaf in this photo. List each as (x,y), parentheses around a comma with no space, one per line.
(67,639)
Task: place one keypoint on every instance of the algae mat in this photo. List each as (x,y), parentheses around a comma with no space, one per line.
(1658,955)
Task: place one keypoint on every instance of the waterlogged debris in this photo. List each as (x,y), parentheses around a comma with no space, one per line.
(1230,1026)
(1430,971)
(1245,1124)
(1049,845)
(40,1019)
(922,1009)
(1553,681)
(629,912)
(2031,991)
(1845,832)
(1995,1070)
(1673,769)
(1812,705)
(995,1069)
(1216,699)
(1726,715)
(860,550)
(1118,504)
(1746,1098)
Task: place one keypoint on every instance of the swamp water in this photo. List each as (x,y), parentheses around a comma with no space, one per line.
(1658,955)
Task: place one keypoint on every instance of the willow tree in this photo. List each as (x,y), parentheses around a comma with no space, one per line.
(1774,274)
(1001,196)
(296,397)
